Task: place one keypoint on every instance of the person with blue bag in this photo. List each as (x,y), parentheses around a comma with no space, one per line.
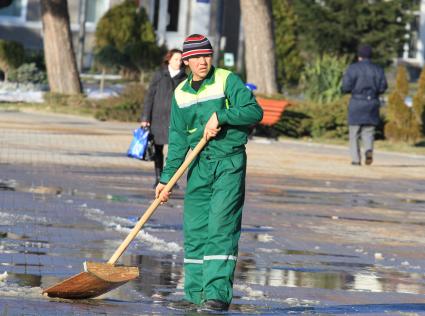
(214,104)
(157,104)
(139,144)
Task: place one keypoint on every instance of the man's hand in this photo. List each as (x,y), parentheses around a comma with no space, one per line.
(165,196)
(145,124)
(211,128)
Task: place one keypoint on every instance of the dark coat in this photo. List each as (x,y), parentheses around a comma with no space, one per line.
(157,103)
(365,81)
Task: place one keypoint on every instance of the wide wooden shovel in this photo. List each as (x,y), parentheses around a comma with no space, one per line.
(99,278)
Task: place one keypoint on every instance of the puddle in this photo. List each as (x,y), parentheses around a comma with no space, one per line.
(332,276)
(12,185)
(303,253)
(371,220)
(7,185)
(344,199)
(18,284)
(166,272)
(8,235)
(256,229)
(179,227)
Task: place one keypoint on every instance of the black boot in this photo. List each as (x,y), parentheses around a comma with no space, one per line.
(157,176)
(183,305)
(214,306)
(159,163)
(369,157)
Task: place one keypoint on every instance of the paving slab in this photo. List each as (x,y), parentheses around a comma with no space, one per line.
(320,237)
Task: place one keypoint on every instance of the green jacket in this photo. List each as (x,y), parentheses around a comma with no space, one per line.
(222,92)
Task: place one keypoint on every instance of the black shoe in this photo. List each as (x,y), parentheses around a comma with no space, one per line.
(183,305)
(369,157)
(356,163)
(214,306)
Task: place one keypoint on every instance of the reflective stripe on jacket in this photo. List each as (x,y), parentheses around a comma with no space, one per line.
(222,92)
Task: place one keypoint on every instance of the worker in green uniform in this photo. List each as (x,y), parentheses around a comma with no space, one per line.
(215,104)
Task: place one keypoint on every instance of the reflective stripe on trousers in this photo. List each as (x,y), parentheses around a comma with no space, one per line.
(212,225)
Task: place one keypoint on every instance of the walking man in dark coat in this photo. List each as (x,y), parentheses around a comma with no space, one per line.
(365,81)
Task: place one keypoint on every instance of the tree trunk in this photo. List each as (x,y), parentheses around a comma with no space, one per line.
(58,49)
(260,62)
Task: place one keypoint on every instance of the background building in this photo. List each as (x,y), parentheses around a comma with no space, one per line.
(173,20)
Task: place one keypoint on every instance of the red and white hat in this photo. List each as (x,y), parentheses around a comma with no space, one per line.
(196,45)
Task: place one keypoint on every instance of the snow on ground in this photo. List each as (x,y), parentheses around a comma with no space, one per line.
(3,276)
(121,225)
(31,93)
(97,94)
(22,96)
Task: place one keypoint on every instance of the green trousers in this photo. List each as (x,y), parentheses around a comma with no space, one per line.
(212,225)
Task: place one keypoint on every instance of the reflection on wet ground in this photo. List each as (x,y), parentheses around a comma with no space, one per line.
(326,247)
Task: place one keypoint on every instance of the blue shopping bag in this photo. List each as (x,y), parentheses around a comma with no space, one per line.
(139,143)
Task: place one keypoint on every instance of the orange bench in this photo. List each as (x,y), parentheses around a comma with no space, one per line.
(272,109)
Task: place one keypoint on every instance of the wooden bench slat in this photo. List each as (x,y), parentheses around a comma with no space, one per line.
(272,109)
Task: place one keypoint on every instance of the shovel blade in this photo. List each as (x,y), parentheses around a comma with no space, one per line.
(98,279)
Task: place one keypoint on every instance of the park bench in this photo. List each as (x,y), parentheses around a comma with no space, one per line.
(272,109)
(272,112)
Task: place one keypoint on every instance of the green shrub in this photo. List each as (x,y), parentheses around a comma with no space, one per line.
(294,123)
(402,124)
(330,119)
(419,102)
(288,57)
(131,46)
(28,73)
(11,56)
(309,119)
(36,57)
(322,78)
(126,107)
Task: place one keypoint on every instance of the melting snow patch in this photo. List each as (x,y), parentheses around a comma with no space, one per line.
(157,244)
(252,294)
(297,302)
(13,290)
(11,219)
(108,221)
(378,256)
(117,223)
(266,250)
(3,276)
(10,290)
(22,96)
(264,237)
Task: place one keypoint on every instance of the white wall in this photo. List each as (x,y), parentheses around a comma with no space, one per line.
(194,17)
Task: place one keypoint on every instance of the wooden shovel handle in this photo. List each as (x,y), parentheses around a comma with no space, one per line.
(157,201)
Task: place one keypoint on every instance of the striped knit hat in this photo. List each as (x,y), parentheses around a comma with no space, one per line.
(196,45)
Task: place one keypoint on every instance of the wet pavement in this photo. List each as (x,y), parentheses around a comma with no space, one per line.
(320,237)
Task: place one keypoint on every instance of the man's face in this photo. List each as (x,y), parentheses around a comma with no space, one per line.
(200,66)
